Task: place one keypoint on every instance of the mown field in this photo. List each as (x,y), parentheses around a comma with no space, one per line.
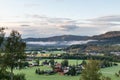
(110,72)
(30,72)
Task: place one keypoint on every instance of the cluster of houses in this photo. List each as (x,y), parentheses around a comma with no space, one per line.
(58,68)
(67,70)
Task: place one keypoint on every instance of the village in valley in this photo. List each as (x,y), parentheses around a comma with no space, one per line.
(59,39)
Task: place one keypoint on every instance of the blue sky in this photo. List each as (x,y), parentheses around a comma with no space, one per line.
(44,18)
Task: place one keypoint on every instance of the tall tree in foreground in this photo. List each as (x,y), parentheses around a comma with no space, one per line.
(2,33)
(1,42)
(91,71)
(14,48)
(3,72)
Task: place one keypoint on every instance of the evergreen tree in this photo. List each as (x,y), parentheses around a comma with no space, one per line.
(3,72)
(52,62)
(14,48)
(91,71)
(72,71)
(65,63)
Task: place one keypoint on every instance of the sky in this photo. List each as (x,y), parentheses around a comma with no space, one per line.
(45,18)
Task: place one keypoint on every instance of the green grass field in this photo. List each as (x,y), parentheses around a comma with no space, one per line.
(30,72)
(110,72)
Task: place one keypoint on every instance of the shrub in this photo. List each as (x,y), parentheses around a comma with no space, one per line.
(19,77)
(105,78)
(117,74)
(4,75)
(26,64)
(65,63)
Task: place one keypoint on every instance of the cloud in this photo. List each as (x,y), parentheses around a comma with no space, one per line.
(43,26)
(25,25)
(53,43)
(97,24)
(36,16)
(69,27)
(111,18)
(58,23)
(48,19)
(104,22)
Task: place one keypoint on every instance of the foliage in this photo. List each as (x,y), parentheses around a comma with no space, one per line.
(2,33)
(105,48)
(37,61)
(14,51)
(41,72)
(4,75)
(91,71)
(52,62)
(84,62)
(21,64)
(19,77)
(26,64)
(117,74)
(105,78)
(65,63)
(72,71)
(106,63)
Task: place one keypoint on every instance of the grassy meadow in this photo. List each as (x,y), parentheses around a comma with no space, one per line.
(30,72)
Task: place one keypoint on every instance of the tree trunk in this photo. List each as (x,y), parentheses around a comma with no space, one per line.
(11,75)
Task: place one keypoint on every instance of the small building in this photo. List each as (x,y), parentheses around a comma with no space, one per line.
(58,67)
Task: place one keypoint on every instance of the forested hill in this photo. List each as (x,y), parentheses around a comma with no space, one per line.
(105,43)
(59,38)
(108,35)
(112,37)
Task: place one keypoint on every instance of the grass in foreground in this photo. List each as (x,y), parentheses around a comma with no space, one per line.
(30,72)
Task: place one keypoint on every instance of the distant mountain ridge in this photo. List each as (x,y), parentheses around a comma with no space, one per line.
(108,38)
(107,35)
(59,38)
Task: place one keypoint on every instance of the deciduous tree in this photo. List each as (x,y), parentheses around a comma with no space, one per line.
(91,71)
(14,48)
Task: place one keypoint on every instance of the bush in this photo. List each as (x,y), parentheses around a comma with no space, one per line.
(37,61)
(26,64)
(72,71)
(105,78)
(19,77)
(65,63)
(117,74)
(4,75)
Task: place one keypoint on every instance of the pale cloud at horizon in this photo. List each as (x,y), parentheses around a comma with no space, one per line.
(45,18)
(43,26)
